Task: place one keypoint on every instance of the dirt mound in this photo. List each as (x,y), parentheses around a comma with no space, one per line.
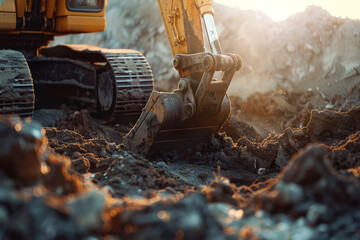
(83,123)
(309,189)
(272,112)
(111,165)
(135,198)
(43,199)
(278,149)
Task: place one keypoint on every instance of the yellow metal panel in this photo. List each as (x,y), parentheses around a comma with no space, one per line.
(7,21)
(50,8)
(61,10)
(8,6)
(43,5)
(205,6)
(183,25)
(171,11)
(80,24)
(29,5)
(193,26)
(182,21)
(20,6)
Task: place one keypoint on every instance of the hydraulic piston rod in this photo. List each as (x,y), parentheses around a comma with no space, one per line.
(212,33)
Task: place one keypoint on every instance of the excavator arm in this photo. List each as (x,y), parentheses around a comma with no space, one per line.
(199,107)
(183,23)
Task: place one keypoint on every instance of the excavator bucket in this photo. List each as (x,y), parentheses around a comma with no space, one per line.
(183,119)
(160,126)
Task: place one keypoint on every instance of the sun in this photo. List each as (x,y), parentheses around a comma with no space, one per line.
(279,10)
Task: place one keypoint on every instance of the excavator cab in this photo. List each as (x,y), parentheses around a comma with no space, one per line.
(200,106)
(43,19)
(85,5)
(74,16)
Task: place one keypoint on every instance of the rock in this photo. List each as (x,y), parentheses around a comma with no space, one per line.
(20,149)
(4,215)
(63,136)
(309,187)
(58,178)
(192,224)
(290,193)
(304,233)
(32,213)
(329,106)
(162,165)
(315,213)
(221,191)
(282,231)
(328,124)
(261,171)
(308,167)
(87,210)
(81,165)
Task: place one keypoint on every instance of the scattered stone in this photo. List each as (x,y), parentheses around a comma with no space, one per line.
(261,171)
(20,149)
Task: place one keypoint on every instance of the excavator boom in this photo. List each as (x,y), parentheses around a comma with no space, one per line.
(199,107)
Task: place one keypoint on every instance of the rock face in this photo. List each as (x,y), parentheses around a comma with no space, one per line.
(309,50)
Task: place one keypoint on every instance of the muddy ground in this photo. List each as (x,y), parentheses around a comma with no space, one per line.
(286,166)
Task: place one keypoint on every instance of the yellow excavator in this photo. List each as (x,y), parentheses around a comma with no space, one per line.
(116,84)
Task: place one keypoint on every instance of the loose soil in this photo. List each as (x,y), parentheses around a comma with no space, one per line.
(277,169)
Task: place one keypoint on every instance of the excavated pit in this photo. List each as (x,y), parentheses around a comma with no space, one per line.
(285,166)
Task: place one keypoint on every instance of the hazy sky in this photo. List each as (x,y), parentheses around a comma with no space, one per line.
(281,9)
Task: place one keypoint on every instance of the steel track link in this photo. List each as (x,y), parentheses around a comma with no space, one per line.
(133,80)
(120,90)
(16,85)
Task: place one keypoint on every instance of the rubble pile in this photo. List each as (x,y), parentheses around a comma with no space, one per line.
(40,198)
(324,204)
(82,187)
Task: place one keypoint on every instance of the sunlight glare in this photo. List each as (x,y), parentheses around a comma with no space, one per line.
(279,10)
